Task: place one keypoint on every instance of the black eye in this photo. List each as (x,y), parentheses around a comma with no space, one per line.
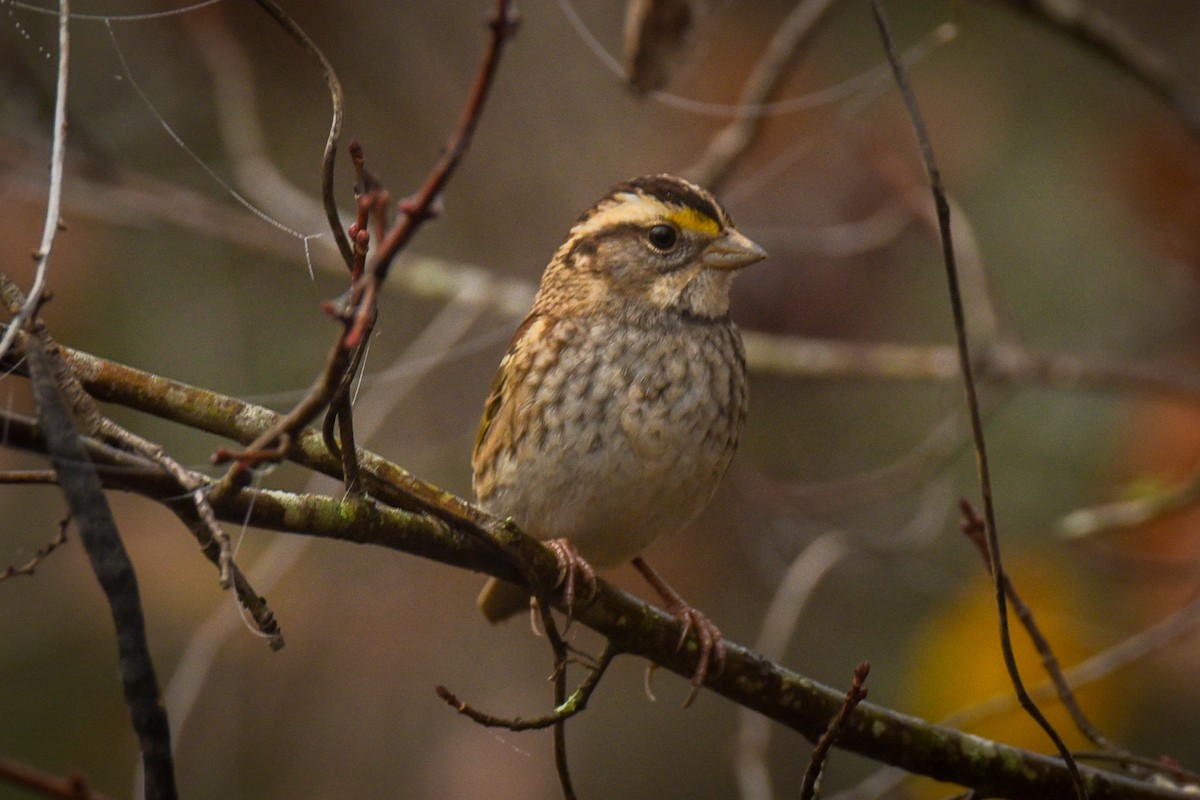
(662,237)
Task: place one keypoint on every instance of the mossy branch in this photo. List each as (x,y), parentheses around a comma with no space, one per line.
(408,515)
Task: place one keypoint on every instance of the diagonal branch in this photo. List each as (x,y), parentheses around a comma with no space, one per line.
(98,530)
(358,309)
(443,528)
(735,139)
(1094,29)
(72,787)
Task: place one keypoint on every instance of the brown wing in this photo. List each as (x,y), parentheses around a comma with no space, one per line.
(495,429)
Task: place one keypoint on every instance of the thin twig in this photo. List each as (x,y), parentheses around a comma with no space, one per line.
(254,604)
(1095,30)
(335,126)
(421,206)
(360,304)
(372,201)
(964,357)
(54,192)
(1162,633)
(574,704)
(1086,522)
(72,787)
(986,325)
(559,648)
(38,555)
(974,529)
(854,695)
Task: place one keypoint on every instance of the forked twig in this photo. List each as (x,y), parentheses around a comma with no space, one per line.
(974,529)
(357,311)
(199,517)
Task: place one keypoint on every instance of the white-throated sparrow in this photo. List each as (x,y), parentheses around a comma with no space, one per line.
(619,403)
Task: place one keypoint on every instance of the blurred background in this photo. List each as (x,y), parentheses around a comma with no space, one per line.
(1076,201)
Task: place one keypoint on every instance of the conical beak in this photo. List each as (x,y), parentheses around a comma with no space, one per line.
(732,250)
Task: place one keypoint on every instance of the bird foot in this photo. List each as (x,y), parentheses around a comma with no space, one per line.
(712,644)
(572,570)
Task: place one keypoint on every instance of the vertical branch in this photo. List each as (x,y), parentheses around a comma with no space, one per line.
(964,359)
(102,541)
(54,194)
(560,698)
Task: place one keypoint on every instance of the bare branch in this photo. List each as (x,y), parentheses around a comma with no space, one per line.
(54,192)
(72,787)
(631,625)
(98,530)
(964,359)
(38,555)
(973,528)
(854,695)
(1093,29)
(335,125)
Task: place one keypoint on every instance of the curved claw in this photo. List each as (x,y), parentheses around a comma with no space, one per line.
(572,567)
(712,646)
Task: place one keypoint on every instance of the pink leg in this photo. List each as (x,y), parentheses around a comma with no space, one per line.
(571,568)
(712,648)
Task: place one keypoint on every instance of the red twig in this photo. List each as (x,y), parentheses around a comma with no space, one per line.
(357,312)
(415,210)
(854,695)
(72,787)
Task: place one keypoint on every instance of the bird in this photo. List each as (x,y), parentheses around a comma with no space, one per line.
(619,403)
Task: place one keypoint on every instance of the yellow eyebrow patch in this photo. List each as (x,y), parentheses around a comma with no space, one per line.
(637,209)
(691,219)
